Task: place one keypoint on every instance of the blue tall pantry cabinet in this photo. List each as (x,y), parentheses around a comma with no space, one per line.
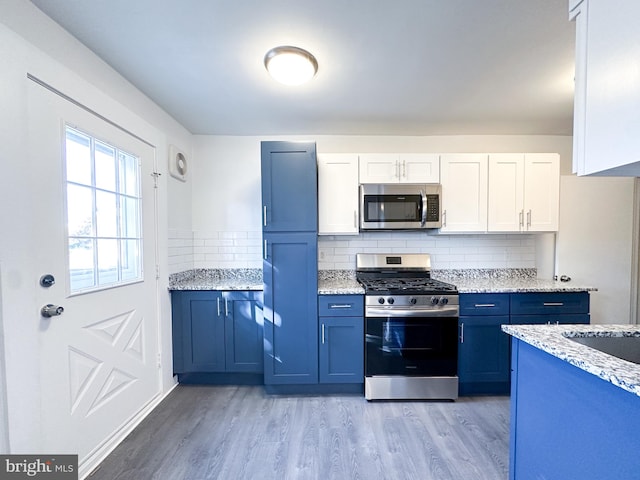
(290,262)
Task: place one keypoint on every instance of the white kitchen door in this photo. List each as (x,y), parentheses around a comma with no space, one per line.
(98,359)
(595,242)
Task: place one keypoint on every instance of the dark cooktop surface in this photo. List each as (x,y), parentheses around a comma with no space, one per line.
(408,286)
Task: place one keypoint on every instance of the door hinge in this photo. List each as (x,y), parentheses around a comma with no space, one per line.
(155,176)
(157,272)
(159,360)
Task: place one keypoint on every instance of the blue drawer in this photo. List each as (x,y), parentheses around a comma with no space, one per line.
(340,305)
(552,303)
(484,304)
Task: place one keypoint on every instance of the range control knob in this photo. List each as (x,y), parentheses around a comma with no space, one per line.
(381,300)
(413,301)
(390,300)
(434,300)
(444,300)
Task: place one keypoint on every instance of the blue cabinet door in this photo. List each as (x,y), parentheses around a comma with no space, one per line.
(341,353)
(483,349)
(202,331)
(483,353)
(290,272)
(341,356)
(243,331)
(289,187)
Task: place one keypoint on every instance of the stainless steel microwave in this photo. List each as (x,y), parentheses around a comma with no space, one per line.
(400,206)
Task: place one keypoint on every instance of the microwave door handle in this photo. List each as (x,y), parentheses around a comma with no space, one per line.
(424,209)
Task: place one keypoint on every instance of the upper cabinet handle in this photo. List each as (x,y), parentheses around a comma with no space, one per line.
(264,215)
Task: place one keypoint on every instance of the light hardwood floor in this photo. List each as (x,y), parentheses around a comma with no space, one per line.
(237,433)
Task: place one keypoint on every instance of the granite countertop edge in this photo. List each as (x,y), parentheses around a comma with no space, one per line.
(555,340)
(343,282)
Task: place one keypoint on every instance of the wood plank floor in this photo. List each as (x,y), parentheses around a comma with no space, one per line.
(236,433)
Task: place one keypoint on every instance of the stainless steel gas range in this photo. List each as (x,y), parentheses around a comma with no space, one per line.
(411,329)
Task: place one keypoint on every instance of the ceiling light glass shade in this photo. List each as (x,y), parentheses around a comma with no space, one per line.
(290,65)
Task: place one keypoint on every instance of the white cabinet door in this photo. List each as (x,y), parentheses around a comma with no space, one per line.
(506,192)
(607,109)
(399,168)
(464,192)
(419,168)
(541,191)
(379,168)
(338,194)
(523,192)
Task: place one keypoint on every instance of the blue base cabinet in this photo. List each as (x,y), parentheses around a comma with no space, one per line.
(484,349)
(567,423)
(217,332)
(341,332)
(291,308)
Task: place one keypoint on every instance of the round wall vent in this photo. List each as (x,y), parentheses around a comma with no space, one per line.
(178,164)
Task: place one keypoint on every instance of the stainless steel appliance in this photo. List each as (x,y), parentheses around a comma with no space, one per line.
(400,206)
(411,328)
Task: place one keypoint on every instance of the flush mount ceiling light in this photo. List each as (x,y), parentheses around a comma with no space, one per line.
(290,65)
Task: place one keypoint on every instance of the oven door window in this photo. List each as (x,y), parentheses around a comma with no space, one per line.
(416,346)
(392,208)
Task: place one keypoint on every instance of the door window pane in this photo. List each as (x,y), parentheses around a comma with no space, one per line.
(78,157)
(107,261)
(106,214)
(105,167)
(103,213)
(129,210)
(81,264)
(79,211)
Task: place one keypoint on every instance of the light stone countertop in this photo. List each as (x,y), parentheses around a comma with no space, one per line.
(343,282)
(554,340)
(217,279)
(514,285)
(338,282)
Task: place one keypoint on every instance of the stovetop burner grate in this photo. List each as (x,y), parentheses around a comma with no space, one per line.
(406,285)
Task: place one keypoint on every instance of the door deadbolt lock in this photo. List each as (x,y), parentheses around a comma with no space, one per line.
(47,280)
(50,310)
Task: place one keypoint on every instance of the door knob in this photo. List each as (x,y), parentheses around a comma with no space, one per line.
(50,310)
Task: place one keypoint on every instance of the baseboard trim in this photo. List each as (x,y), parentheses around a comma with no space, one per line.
(92,461)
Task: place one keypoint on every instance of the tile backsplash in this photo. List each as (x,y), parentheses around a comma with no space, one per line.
(243,249)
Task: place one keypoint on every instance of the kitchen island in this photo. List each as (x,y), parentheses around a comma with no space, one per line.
(575,411)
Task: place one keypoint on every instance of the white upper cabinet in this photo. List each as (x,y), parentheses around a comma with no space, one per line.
(399,168)
(541,192)
(607,89)
(338,196)
(464,192)
(506,192)
(523,192)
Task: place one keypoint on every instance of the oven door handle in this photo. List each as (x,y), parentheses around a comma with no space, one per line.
(395,312)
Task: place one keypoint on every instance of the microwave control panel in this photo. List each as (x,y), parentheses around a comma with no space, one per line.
(433,208)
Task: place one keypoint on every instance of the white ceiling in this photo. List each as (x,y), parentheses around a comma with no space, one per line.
(386,67)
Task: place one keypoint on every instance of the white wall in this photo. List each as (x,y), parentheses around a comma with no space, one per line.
(227,204)
(30,42)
